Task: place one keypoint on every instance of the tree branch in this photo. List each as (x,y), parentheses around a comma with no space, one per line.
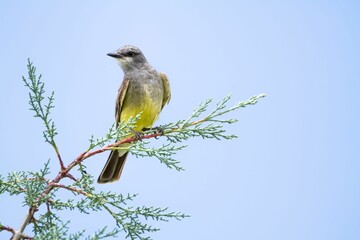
(209,126)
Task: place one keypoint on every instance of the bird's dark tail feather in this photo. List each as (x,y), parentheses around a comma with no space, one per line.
(113,167)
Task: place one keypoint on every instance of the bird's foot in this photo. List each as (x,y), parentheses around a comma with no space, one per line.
(158,130)
(138,135)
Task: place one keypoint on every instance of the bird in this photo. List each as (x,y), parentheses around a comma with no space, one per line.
(143,90)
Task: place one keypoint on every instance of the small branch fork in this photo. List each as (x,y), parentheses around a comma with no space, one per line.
(17,235)
(9,229)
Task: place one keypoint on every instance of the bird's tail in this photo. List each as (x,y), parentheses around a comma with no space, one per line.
(113,167)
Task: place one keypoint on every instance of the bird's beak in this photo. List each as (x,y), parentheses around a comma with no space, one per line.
(114,55)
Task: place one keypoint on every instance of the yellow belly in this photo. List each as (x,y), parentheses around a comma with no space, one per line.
(150,111)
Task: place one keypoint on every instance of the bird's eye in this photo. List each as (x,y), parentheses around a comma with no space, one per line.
(130,54)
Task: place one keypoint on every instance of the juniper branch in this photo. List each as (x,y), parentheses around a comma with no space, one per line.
(41,109)
(38,189)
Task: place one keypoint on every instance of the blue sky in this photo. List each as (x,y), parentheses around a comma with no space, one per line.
(293,173)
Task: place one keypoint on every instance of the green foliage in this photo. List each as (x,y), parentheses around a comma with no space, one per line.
(41,189)
(209,127)
(37,105)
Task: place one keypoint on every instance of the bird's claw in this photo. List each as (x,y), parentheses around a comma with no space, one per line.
(138,135)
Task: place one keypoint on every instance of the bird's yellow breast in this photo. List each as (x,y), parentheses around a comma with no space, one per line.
(136,103)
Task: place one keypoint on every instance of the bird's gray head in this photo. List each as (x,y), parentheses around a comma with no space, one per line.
(129,57)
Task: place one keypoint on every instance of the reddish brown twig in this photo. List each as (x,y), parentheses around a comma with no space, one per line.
(62,166)
(74,189)
(6,228)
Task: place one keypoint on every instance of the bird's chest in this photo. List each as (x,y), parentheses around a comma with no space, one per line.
(143,96)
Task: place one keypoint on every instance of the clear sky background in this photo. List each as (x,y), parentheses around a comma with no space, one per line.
(293,173)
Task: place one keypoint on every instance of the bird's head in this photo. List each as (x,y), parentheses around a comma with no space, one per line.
(129,57)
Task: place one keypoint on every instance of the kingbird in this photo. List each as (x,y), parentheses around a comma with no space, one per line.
(143,90)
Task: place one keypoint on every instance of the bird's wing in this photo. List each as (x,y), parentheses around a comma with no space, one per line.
(120,99)
(167,92)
